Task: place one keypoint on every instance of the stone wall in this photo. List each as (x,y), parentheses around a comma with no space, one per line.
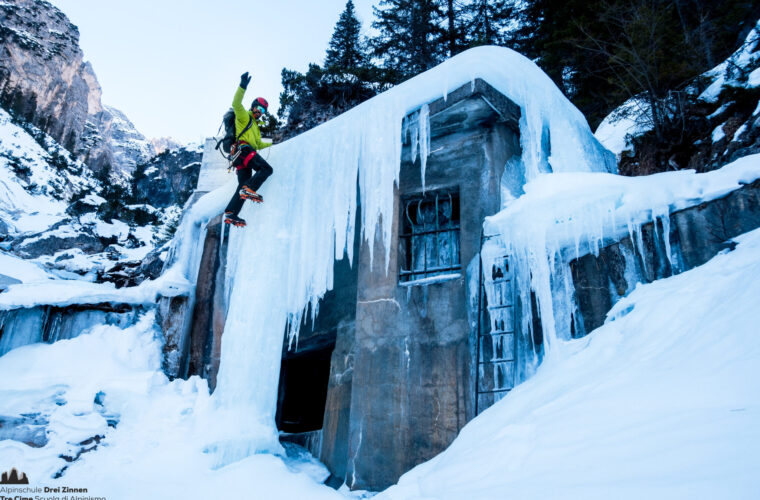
(696,235)
(193,325)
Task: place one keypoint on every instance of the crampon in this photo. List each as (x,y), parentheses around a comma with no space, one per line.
(247,193)
(234,220)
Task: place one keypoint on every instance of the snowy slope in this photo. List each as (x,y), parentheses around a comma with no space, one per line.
(662,401)
(52,211)
(22,208)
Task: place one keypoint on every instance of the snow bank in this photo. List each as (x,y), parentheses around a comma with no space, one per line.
(109,383)
(21,269)
(660,402)
(67,292)
(283,261)
(632,118)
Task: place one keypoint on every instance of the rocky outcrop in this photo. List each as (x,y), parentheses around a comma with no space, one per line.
(114,141)
(51,243)
(168,178)
(42,75)
(45,81)
(161,144)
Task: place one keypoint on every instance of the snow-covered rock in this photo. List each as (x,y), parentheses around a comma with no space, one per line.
(169,178)
(718,128)
(36,182)
(111,139)
(742,69)
(629,119)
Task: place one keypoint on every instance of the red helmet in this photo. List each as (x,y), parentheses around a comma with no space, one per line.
(260,101)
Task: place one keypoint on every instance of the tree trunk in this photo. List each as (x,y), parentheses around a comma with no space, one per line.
(452,29)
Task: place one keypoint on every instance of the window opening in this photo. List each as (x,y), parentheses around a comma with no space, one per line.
(429,239)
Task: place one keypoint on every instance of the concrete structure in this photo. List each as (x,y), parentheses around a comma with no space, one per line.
(396,364)
(384,379)
(213,168)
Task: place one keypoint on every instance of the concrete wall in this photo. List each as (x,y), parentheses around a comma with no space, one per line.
(412,387)
(696,235)
(193,325)
(213,172)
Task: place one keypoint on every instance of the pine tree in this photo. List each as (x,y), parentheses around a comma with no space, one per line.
(346,80)
(488,22)
(411,38)
(347,52)
(454,27)
(601,52)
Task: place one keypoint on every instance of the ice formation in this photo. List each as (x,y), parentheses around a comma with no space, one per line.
(282,263)
(567,215)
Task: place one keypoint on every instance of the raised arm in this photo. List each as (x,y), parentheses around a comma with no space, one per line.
(237,101)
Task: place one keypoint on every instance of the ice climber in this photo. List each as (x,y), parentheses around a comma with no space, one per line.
(244,153)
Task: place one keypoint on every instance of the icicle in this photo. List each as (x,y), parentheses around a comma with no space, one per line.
(666,238)
(283,262)
(641,248)
(415,141)
(424,138)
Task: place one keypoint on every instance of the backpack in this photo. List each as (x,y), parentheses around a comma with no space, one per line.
(229,138)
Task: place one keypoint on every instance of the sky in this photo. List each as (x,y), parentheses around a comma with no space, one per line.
(172,66)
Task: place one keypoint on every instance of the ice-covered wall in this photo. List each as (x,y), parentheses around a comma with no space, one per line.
(283,261)
(20,327)
(565,216)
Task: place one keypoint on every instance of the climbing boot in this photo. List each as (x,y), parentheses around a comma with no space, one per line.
(233,219)
(247,193)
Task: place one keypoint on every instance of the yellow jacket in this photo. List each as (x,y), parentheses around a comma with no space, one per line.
(242,116)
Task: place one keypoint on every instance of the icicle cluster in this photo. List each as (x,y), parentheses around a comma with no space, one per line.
(564,216)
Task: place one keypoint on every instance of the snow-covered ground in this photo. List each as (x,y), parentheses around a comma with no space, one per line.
(151,432)
(662,401)
(629,119)
(181,442)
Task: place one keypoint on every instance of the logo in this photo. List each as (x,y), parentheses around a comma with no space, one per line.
(12,477)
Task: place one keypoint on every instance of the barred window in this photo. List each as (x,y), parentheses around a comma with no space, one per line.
(429,239)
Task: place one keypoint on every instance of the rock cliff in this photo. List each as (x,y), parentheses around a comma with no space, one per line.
(168,178)
(44,80)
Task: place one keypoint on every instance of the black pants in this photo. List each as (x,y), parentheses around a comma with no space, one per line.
(263,170)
